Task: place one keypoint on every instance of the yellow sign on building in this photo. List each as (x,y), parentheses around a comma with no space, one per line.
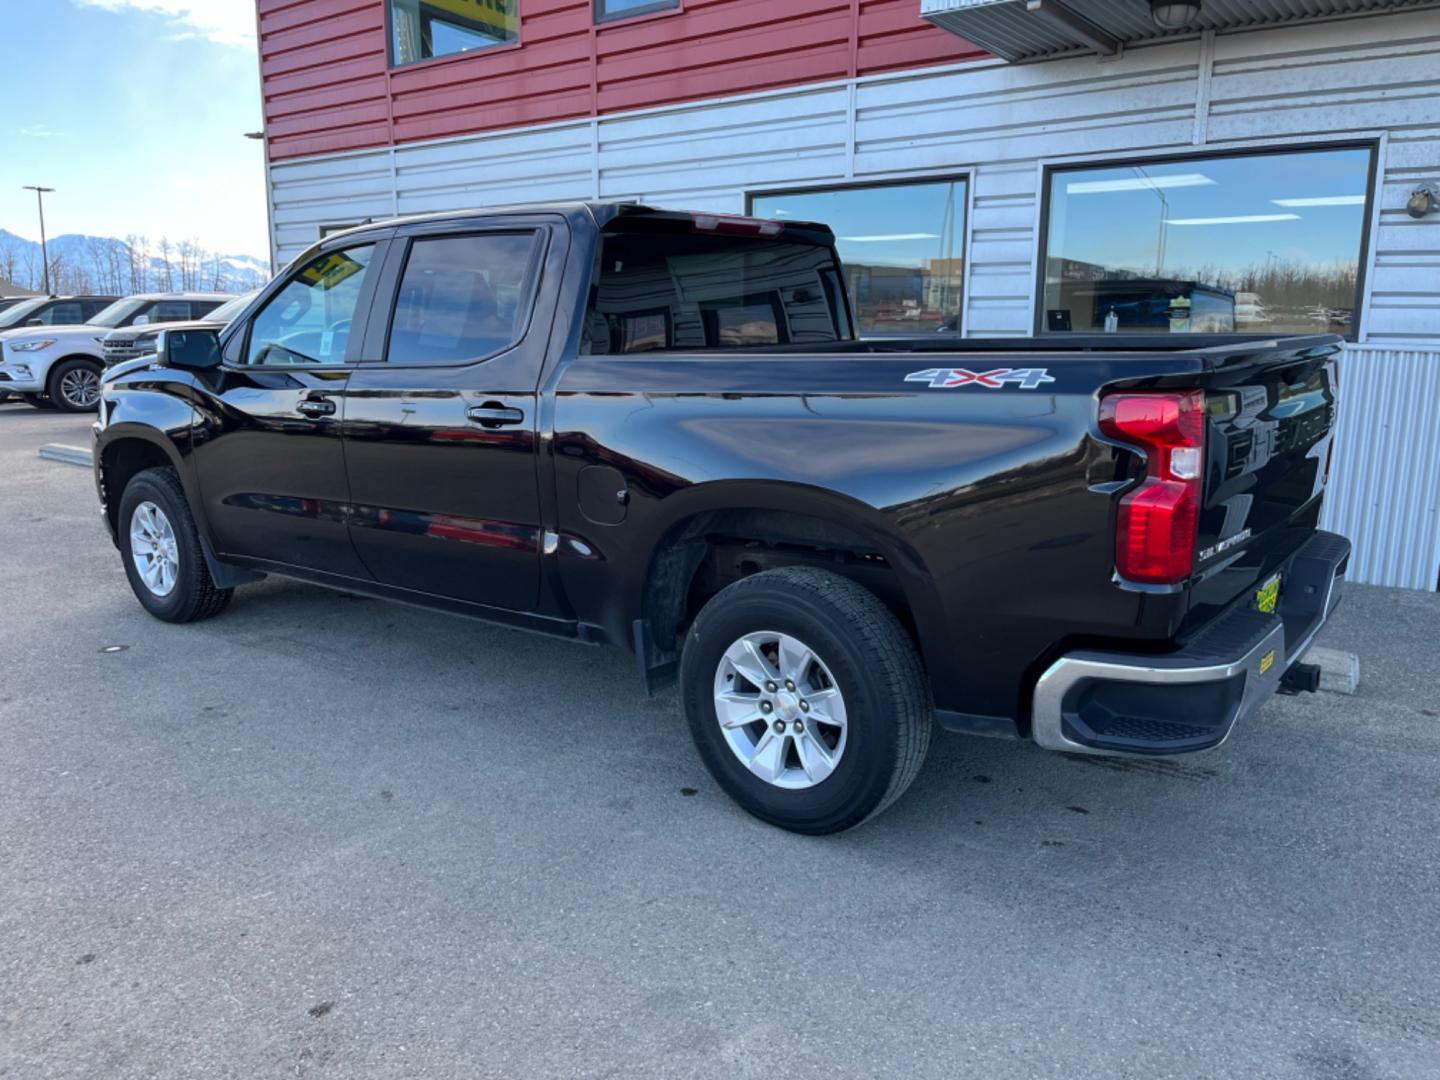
(498,18)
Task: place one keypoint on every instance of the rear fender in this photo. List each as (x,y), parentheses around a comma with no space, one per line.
(686,506)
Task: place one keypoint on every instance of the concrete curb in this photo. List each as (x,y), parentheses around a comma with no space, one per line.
(69,455)
(1339,671)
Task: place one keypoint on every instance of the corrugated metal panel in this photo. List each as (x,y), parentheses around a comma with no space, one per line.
(1385,485)
(1008,29)
(328,86)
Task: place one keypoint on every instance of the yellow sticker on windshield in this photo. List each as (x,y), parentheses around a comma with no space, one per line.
(331,270)
(1269,595)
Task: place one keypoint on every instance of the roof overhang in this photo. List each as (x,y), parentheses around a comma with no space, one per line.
(1031,29)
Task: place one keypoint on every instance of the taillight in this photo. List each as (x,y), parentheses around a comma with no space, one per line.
(1159,520)
(731,225)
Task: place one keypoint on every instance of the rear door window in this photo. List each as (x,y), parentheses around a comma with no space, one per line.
(463,298)
(169,311)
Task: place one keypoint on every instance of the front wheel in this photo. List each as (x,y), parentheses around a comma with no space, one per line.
(74,386)
(162,553)
(806,699)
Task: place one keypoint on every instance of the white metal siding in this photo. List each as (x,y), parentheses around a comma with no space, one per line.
(1385,486)
(1368,77)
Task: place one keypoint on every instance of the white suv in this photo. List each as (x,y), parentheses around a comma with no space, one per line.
(59,366)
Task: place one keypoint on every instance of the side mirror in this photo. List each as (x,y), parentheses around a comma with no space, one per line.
(194,349)
(141,320)
(35,322)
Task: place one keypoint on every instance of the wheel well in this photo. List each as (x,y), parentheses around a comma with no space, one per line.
(84,358)
(119,462)
(703,554)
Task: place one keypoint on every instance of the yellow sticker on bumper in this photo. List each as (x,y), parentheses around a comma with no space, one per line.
(1269,595)
(1267,661)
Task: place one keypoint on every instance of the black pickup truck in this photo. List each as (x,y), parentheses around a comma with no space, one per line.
(658,430)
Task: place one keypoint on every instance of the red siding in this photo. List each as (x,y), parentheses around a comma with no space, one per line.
(328,86)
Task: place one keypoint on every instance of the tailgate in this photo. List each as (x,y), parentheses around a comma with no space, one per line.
(1271,420)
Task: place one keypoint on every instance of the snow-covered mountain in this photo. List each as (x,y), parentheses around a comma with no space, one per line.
(103,264)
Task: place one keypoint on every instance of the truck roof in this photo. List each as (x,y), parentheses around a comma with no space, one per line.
(601,212)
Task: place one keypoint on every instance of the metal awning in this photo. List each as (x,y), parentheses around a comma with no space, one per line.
(1027,29)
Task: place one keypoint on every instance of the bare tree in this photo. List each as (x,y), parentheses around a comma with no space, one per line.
(9,261)
(218,282)
(104,264)
(30,262)
(191,257)
(138,249)
(70,276)
(167,268)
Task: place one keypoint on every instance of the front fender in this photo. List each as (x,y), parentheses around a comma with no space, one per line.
(161,422)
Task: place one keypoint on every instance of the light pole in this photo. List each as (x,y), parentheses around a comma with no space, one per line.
(40,193)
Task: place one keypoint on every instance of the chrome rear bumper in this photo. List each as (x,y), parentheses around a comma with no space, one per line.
(1096,702)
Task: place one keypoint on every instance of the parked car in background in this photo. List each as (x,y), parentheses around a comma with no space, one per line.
(659,430)
(52,310)
(129,342)
(1250,310)
(59,366)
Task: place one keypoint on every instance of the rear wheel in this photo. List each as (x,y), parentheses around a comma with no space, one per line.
(806,699)
(74,386)
(162,553)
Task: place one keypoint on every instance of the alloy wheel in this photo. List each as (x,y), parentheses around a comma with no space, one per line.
(780,710)
(154,548)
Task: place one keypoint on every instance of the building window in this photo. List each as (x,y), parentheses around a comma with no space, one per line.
(608,10)
(421,29)
(1256,243)
(902,245)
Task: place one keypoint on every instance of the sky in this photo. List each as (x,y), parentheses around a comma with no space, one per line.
(135,112)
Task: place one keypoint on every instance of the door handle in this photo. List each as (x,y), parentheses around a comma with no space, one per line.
(493,416)
(316,407)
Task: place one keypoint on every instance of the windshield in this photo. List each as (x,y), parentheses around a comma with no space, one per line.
(228,310)
(16,315)
(118,312)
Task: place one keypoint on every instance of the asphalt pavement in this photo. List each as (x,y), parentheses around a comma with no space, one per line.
(324,836)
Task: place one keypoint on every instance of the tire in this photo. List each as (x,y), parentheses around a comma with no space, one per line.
(861,656)
(74,386)
(37,401)
(191,594)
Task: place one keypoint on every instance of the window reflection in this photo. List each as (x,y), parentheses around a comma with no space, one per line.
(902,245)
(1259,243)
(421,29)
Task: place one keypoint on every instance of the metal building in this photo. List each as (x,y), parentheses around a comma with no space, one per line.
(993,167)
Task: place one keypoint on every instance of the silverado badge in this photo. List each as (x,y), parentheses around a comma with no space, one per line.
(946,378)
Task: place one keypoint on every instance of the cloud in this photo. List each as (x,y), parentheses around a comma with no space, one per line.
(39,131)
(225,22)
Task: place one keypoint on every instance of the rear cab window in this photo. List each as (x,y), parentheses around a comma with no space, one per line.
(706,282)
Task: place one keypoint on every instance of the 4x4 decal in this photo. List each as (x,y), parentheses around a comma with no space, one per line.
(946,378)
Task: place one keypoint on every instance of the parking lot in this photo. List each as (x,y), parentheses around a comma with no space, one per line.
(328,836)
